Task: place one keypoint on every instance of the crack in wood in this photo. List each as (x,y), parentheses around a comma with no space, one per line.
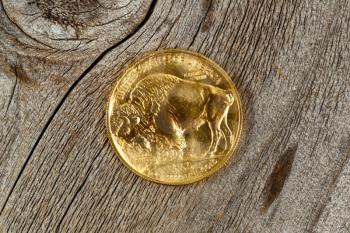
(92,65)
(12,92)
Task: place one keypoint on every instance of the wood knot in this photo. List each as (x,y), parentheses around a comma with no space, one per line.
(69,12)
(76,25)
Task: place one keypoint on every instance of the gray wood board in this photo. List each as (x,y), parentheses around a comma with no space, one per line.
(289,59)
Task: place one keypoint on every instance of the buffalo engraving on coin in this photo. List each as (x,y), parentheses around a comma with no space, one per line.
(163,115)
(174,117)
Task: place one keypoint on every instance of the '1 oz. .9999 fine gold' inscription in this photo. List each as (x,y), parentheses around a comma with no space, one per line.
(174,117)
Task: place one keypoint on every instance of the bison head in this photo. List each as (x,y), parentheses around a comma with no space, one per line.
(127,118)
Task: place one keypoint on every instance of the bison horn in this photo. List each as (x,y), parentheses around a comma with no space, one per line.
(125,119)
(135,120)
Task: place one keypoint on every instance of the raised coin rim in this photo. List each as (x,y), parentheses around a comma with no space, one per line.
(228,155)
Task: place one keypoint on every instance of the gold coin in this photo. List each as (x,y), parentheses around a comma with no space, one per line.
(174,117)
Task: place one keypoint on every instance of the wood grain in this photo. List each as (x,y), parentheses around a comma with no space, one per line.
(289,59)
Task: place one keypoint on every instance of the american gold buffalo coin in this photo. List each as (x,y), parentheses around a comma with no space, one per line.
(174,117)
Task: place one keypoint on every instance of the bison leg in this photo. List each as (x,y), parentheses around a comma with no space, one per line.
(226,132)
(167,124)
(211,137)
(215,131)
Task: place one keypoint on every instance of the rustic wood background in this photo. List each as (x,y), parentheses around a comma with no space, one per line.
(290,60)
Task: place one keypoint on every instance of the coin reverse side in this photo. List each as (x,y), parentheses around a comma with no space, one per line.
(174,117)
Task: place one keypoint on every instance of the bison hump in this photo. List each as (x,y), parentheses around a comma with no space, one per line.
(154,87)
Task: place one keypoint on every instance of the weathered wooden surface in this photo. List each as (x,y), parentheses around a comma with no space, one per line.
(289,59)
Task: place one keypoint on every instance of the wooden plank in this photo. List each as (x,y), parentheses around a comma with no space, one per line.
(290,61)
